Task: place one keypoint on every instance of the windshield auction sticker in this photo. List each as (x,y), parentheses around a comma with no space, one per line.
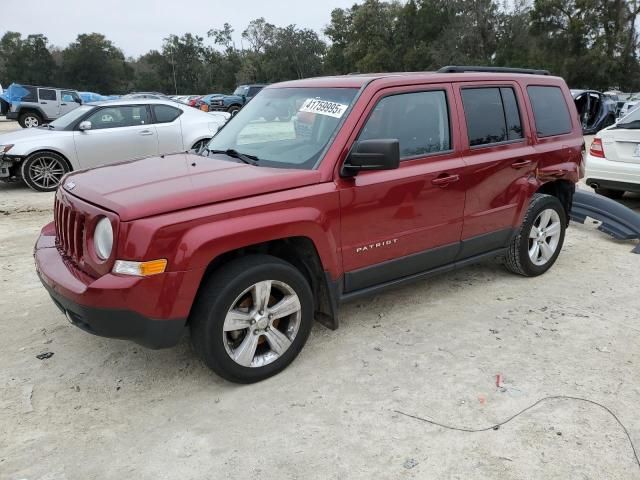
(323,107)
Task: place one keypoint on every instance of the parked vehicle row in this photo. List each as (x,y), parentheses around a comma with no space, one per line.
(386,179)
(97,134)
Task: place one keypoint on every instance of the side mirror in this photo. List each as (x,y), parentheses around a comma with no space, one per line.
(78,101)
(86,125)
(378,154)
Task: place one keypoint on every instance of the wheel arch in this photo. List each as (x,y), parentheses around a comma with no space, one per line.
(49,150)
(563,190)
(32,109)
(301,252)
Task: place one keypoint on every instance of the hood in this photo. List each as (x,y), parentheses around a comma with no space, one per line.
(158,185)
(24,134)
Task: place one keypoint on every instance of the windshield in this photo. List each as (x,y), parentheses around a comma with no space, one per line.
(286,127)
(633,117)
(242,90)
(69,118)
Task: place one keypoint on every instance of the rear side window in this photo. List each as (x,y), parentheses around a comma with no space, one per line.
(165,113)
(420,122)
(492,115)
(46,94)
(550,111)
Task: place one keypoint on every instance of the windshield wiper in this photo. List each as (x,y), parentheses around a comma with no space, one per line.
(230,152)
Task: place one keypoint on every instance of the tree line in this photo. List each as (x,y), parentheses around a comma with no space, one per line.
(591,43)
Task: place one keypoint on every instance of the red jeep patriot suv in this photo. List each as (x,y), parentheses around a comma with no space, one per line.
(317,192)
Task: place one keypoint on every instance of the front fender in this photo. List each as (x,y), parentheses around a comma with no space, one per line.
(207,242)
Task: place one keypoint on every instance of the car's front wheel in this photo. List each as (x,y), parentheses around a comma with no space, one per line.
(42,171)
(538,243)
(252,318)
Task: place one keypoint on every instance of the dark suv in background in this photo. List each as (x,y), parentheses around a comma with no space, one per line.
(238,99)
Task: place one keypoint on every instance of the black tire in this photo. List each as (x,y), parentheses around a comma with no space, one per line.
(220,292)
(233,109)
(30,120)
(517,258)
(32,167)
(610,193)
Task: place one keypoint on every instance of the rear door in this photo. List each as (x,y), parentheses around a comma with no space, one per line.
(396,223)
(49,103)
(117,133)
(500,158)
(168,128)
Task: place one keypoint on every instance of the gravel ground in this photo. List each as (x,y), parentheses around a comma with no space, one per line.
(102,408)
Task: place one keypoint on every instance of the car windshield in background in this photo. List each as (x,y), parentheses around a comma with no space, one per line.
(286,127)
(241,90)
(68,119)
(631,120)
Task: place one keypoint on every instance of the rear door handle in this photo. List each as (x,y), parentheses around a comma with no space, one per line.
(445,180)
(146,132)
(521,164)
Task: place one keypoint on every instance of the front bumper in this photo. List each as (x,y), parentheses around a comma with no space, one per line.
(150,311)
(217,108)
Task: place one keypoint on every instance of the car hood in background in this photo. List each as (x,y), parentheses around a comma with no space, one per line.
(26,134)
(158,185)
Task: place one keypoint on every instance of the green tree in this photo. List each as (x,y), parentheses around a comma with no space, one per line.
(93,63)
(27,60)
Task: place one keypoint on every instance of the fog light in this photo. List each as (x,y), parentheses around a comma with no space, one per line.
(140,269)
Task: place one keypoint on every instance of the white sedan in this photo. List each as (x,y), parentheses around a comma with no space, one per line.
(102,133)
(613,162)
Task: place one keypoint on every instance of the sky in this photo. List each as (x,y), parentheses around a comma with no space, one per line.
(137,26)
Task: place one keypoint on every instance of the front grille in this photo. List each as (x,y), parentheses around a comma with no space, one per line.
(69,230)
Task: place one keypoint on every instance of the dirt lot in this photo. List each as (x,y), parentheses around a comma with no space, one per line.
(103,408)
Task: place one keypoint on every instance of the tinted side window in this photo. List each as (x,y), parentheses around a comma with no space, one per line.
(46,94)
(511,114)
(420,122)
(68,97)
(114,117)
(165,113)
(550,111)
(31,95)
(253,91)
(492,115)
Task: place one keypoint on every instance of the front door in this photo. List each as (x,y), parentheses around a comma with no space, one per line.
(117,134)
(397,223)
(69,100)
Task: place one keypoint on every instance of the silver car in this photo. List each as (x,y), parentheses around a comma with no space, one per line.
(102,133)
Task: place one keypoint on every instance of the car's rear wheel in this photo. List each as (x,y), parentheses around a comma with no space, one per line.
(538,243)
(42,171)
(30,120)
(611,193)
(252,318)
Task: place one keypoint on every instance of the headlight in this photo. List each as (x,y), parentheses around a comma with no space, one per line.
(5,148)
(103,238)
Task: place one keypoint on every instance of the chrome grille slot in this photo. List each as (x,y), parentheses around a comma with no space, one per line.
(70,226)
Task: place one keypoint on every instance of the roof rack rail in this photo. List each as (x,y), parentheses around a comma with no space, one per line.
(461,69)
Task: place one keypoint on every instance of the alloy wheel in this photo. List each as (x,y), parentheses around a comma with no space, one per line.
(31,122)
(46,172)
(544,236)
(262,323)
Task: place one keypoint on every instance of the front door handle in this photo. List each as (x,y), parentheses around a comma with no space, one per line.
(445,179)
(521,164)
(146,132)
